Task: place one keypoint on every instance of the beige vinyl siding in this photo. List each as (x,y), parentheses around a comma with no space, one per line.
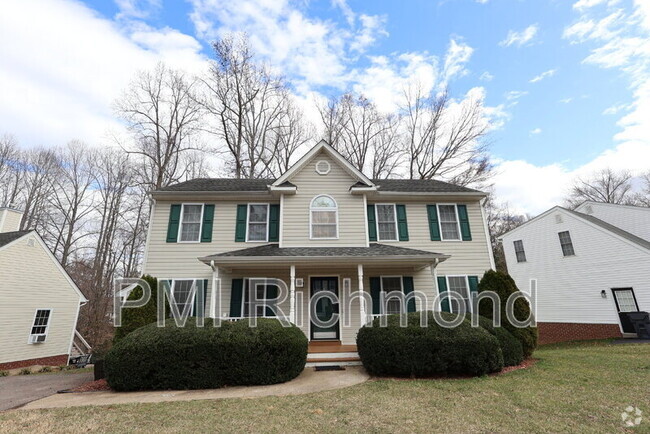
(176,260)
(467,257)
(10,220)
(30,280)
(310,184)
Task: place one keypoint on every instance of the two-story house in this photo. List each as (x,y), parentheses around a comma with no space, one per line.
(590,268)
(323,228)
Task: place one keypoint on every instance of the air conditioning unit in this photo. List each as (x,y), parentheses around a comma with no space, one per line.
(37,339)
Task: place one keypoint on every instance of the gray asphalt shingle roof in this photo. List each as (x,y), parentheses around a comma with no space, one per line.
(614,229)
(375,250)
(7,237)
(247,185)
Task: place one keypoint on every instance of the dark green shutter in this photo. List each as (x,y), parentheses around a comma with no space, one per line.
(434,229)
(236,294)
(375,289)
(174,222)
(274,223)
(372,224)
(402,225)
(464,223)
(473,283)
(442,288)
(271,293)
(240,227)
(407,283)
(208,219)
(201,292)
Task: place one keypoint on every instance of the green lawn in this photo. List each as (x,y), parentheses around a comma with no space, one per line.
(582,387)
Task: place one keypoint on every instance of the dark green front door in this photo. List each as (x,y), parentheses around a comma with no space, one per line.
(325,308)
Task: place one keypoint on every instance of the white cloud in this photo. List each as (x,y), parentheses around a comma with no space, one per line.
(536,131)
(543,75)
(486,76)
(615,109)
(137,8)
(520,38)
(79,63)
(514,95)
(566,100)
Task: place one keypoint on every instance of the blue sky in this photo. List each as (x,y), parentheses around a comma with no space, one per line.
(564,82)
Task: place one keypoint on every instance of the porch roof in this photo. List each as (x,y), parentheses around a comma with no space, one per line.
(272,253)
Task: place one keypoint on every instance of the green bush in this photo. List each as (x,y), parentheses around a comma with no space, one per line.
(4,373)
(191,357)
(45,370)
(134,318)
(25,371)
(513,353)
(433,350)
(504,286)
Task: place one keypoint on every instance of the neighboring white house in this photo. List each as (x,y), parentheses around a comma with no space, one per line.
(589,266)
(39,302)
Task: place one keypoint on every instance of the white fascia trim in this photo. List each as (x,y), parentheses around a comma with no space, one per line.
(362,189)
(431,193)
(230,260)
(183,195)
(333,153)
(487,234)
(283,189)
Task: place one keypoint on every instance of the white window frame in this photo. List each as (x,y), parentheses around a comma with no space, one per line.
(180,223)
(47,327)
(523,250)
(173,283)
(401,285)
(460,235)
(246,289)
(469,291)
(268,217)
(312,209)
(394,221)
(562,248)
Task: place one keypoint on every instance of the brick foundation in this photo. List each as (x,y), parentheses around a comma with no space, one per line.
(552,332)
(43,361)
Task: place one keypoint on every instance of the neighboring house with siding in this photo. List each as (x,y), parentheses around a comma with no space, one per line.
(590,266)
(39,303)
(322,228)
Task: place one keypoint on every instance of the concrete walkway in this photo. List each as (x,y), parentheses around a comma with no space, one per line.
(20,389)
(308,382)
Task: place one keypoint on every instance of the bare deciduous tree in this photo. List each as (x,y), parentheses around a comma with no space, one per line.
(161,111)
(444,138)
(500,220)
(605,186)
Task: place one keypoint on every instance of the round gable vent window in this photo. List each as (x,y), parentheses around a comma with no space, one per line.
(323,167)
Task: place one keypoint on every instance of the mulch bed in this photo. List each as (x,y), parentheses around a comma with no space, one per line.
(92,386)
(523,365)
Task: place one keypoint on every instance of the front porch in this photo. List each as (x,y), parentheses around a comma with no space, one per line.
(323,353)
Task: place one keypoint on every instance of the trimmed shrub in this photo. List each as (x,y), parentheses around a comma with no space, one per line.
(45,370)
(4,373)
(513,353)
(433,350)
(504,286)
(25,371)
(190,357)
(134,318)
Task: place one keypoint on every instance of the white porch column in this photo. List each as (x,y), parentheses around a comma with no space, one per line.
(292,295)
(362,305)
(216,292)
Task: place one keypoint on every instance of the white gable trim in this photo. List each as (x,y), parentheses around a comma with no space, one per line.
(323,145)
(611,205)
(82,298)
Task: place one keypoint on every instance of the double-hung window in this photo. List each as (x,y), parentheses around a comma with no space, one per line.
(459,285)
(449,228)
(258,222)
(182,294)
(40,326)
(386,222)
(390,284)
(566,244)
(190,223)
(323,218)
(259,298)
(519,251)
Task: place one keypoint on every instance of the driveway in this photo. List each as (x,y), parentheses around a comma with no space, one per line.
(21,389)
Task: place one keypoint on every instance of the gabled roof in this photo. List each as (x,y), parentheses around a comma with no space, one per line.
(323,146)
(615,230)
(221,184)
(420,186)
(8,237)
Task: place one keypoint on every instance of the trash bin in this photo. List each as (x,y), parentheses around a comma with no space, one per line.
(641,323)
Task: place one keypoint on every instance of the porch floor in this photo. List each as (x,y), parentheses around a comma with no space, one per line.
(330,347)
(322,353)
